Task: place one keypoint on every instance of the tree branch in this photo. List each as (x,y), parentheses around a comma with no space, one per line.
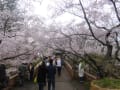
(89,25)
(15,56)
(116,11)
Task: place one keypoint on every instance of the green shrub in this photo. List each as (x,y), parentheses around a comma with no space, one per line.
(108,83)
(87,85)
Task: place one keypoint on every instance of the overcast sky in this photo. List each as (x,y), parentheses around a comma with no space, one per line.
(45,9)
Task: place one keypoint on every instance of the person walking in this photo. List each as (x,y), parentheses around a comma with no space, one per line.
(81,71)
(31,71)
(41,76)
(51,71)
(22,71)
(59,65)
(3,77)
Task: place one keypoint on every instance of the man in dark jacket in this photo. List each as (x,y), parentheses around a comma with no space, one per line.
(41,76)
(51,71)
(3,77)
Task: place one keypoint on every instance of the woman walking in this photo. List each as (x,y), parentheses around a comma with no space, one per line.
(31,71)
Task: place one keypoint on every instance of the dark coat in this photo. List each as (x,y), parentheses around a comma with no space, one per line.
(2,72)
(31,71)
(41,76)
(51,71)
(3,77)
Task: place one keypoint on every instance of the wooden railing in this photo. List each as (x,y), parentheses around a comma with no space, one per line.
(74,74)
(12,79)
(90,76)
(11,82)
(69,69)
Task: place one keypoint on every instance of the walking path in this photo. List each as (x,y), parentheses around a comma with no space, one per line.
(62,83)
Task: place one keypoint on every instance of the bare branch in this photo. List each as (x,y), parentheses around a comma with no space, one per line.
(116,11)
(89,25)
(15,56)
(107,29)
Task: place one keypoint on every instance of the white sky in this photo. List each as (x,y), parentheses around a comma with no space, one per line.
(45,10)
(42,9)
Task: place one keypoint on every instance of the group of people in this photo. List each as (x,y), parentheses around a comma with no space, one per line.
(25,71)
(47,72)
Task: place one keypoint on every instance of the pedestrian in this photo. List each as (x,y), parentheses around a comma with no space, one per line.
(81,71)
(41,76)
(22,72)
(31,71)
(51,71)
(46,61)
(59,65)
(54,60)
(3,77)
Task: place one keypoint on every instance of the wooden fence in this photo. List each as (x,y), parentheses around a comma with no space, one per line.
(12,79)
(74,74)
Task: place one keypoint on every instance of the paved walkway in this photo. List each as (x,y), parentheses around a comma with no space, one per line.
(62,83)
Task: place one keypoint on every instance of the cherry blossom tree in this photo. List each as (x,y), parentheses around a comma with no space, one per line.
(99,28)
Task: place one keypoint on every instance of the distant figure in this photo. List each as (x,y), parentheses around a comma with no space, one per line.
(31,71)
(59,65)
(81,71)
(3,77)
(51,58)
(46,60)
(54,61)
(22,71)
(41,76)
(51,71)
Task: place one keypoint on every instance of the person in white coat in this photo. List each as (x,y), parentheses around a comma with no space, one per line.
(59,65)
(81,71)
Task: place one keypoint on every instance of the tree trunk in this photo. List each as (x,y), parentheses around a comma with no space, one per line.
(117,54)
(109,51)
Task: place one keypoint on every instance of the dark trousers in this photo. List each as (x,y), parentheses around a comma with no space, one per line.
(59,70)
(81,79)
(21,80)
(51,84)
(41,86)
(31,76)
